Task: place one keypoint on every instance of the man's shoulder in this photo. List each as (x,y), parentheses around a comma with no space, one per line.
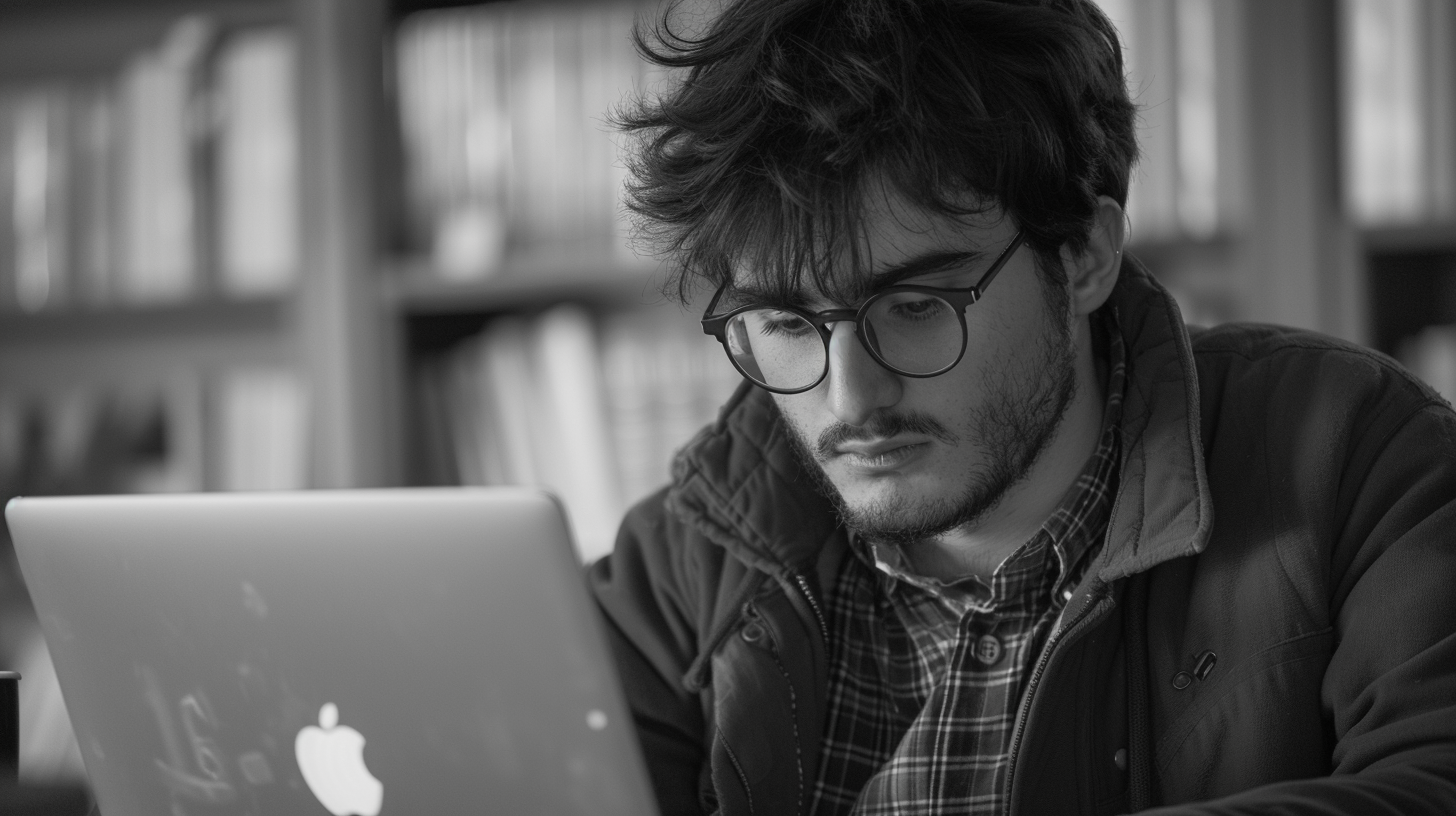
(1281,406)
(1262,362)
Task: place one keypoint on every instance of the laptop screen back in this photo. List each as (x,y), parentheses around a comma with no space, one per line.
(348,652)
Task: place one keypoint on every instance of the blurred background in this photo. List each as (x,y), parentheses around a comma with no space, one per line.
(276,244)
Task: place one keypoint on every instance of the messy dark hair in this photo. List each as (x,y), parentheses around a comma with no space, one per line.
(787,114)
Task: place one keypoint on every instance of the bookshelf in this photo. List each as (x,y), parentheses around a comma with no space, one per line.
(1399,161)
(1237,204)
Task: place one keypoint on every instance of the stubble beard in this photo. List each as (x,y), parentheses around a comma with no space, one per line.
(1013,428)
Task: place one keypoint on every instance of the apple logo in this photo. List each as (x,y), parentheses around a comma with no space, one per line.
(331,757)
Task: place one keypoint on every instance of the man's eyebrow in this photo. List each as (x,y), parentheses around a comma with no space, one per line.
(924,264)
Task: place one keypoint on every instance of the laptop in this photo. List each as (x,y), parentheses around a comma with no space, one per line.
(344,652)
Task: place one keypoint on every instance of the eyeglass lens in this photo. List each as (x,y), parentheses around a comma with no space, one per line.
(911,332)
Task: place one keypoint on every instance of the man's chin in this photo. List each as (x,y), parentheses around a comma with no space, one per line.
(900,513)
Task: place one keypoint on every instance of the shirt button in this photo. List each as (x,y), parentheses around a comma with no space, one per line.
(988,650)
(1120,759)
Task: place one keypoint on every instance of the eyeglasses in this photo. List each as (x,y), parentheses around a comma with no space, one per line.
(915,331)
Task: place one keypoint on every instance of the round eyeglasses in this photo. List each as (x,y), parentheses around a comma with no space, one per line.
(915,331)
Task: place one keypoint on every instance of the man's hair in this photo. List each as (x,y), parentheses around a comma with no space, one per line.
(787,115)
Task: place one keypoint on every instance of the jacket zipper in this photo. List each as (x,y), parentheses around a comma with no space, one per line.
(814,605)
(1087,618)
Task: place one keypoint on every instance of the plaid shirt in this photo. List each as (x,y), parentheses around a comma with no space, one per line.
(926,677)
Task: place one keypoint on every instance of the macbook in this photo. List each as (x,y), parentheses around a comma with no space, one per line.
(331,652)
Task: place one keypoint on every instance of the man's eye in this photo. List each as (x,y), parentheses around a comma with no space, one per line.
(915,307)
(773,322)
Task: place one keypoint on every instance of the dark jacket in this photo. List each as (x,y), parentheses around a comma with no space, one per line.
(1298,656)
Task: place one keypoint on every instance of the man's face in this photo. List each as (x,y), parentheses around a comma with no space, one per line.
(908,458)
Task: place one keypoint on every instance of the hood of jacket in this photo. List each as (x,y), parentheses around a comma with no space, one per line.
(740,484)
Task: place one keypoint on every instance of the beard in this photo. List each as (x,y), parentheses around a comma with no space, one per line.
(1024,409)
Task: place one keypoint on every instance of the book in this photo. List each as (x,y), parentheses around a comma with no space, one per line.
(262,427)
(663,380)
(94,167)
(159,208)
(591,407)
(578,466)
(257,180)
(40,197)
(10,106)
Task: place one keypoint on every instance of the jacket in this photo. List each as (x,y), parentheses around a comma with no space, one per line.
(1269,627)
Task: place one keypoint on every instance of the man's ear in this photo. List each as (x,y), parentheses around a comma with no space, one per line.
(1092,273)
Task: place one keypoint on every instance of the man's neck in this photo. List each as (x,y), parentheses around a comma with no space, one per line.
(979,549)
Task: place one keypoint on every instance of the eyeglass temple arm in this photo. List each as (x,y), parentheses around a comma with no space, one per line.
(1001,260)
(708,322)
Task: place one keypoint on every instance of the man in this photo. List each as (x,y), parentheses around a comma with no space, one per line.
(987,530)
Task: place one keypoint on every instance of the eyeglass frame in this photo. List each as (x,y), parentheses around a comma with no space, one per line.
(960,298)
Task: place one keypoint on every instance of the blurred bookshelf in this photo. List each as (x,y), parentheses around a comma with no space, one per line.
(341,243)
(172,248)
(1399,164)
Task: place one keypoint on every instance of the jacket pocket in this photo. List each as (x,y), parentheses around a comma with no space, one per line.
(1257,722)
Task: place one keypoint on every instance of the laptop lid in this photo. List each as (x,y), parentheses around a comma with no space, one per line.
(364,652)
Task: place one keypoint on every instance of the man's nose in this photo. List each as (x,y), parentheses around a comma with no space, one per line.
(858,386)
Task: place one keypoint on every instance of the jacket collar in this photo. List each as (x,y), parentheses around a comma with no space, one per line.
(740,485)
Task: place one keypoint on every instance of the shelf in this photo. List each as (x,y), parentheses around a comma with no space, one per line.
(1433,237)
(122,324)
(45,39)
(416,290)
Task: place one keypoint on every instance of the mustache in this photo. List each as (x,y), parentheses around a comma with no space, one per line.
(881,426)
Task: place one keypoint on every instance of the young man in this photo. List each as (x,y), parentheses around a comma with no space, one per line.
(988,530)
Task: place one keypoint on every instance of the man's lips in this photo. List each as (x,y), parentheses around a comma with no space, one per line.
(881,453)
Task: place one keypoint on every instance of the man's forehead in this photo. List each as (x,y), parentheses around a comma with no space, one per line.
(887,239)
(852,285)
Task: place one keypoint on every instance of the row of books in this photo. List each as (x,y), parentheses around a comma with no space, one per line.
(590,407)
(242,429)
(1176,58)
(1399,83)
(503,112)
(1398,112)
(177,176)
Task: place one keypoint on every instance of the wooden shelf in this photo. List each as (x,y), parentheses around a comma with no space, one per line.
(1436,237)
(416,290)
(120,324)
(42,40)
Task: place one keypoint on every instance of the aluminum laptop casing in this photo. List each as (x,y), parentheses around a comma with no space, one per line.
(196,636)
